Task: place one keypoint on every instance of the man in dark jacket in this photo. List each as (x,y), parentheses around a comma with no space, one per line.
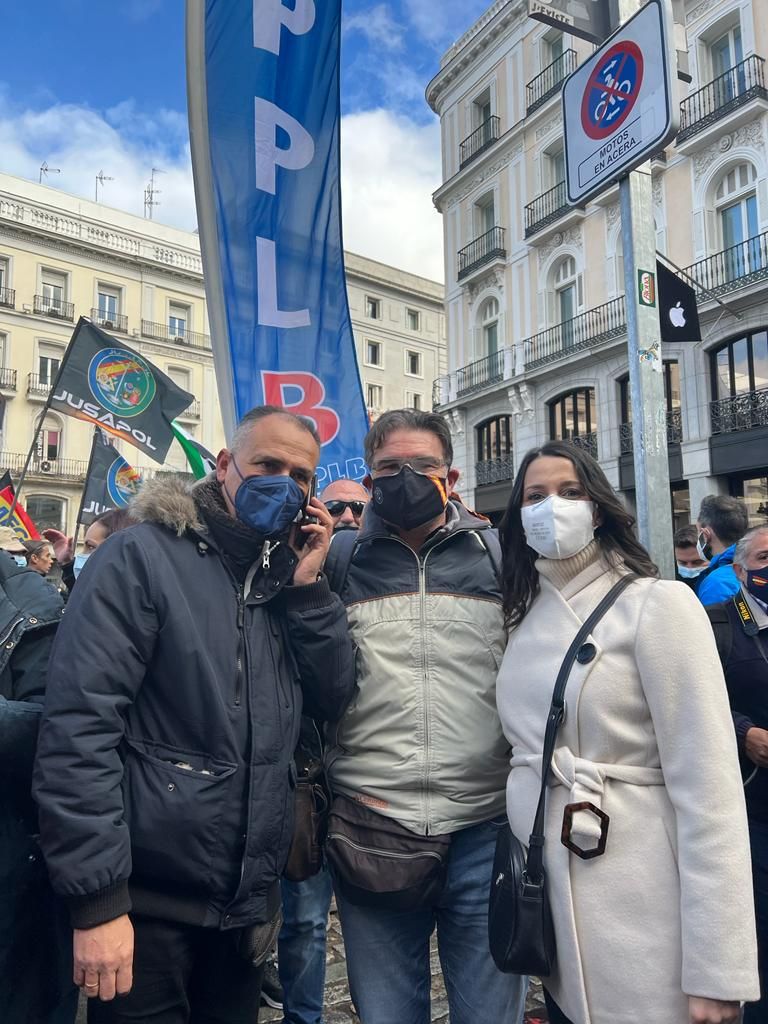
(35,959)
(165,770)
(741,631)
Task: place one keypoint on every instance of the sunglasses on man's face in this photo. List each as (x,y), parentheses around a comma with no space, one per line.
(336,508)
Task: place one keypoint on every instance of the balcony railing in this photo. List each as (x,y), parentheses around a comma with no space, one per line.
(37,385)
(46,306)
(8,379)
(110,321)
(740,412)
(734,88)
(162,332)
(481,138)
(548,83)
(71,469)
(590,328)
(674,432)
(8,297)
(494,471)
(545,209)
(192,412)
(480,374)
(588,442)
(482,250)
(735,267)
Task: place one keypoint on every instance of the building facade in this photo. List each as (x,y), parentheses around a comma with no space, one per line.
(62,256)
(537,344)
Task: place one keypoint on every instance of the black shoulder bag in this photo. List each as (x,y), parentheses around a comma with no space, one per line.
(520,932)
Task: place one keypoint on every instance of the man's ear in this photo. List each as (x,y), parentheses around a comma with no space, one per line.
(368,482)
(741,572)
(222,464)
(452,479)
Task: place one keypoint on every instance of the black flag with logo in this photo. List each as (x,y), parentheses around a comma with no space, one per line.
(105,382)
(111,481)
(678,312)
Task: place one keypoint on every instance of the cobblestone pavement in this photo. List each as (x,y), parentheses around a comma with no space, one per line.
(338,1008)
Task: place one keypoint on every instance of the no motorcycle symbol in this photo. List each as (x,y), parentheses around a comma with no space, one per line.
(612,90)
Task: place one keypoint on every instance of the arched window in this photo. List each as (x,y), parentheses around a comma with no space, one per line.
(46,511)
(740,366)
(738,221)
(573,417)
(489,327)
(494,451)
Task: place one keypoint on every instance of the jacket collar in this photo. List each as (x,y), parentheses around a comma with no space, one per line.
(724,558)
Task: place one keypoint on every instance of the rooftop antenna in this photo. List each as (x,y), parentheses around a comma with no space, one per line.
(150,192)
(101,177)
(45,170)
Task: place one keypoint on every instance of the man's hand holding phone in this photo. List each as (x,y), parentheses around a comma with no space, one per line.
(311,538)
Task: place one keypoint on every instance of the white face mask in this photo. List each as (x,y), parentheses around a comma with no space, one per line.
(558,527)
(20,560)
(79,562)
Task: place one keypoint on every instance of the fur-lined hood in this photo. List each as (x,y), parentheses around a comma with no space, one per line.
(170,502)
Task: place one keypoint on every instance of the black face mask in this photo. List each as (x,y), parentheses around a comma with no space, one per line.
(409,499)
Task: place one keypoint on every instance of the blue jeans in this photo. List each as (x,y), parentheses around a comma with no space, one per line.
(388,950)
(301,947)
(757,1013)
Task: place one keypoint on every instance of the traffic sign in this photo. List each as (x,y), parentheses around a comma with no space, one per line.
(618,106)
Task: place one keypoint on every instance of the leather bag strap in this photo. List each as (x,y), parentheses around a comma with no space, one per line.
(535,859)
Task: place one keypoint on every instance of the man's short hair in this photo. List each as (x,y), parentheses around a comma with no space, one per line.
(260,412)
(686,537)
(726,517)
(742,548)
(408,419)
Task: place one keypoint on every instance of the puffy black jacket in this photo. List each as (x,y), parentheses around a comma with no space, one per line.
(174,699)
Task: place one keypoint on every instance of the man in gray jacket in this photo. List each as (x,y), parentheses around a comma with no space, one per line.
(421,743)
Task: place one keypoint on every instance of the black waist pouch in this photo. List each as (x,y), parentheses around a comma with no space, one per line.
(377,862)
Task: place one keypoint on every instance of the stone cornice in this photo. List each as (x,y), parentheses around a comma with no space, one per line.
(79,232)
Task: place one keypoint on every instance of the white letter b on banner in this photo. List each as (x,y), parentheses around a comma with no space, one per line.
(270,15)
(269,156)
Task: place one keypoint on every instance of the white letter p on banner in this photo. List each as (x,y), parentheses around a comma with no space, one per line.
(270,15)
(269,156)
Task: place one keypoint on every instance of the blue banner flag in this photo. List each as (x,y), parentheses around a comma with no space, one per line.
(263,87)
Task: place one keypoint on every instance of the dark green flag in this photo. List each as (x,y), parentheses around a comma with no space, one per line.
(105,382)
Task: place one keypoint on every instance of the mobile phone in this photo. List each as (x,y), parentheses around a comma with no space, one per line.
(300,538)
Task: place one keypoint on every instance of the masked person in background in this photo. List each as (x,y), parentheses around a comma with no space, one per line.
(690,564)
(722,522)
(165,767)
(35,949)
(102,527)
(419,758)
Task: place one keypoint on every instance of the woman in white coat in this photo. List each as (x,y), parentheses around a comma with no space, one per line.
(659,929)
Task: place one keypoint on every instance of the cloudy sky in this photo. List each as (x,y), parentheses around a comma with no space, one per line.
(90,86)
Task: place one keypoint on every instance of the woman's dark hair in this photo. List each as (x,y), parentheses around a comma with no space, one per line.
(115,519)
(615,534)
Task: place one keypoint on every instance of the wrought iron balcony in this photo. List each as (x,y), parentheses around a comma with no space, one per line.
(494,471)
(8,379)
(47,306)
(37,385)
(549,82)
(740,412)
(110,321)
(162,332)
(585,330)
(545,209)
(8,298)
(735,267)
(674,432)
(482,250)
(480,374)
(70,469)
(192,412)
(481,138)
(588,442)
(732,89)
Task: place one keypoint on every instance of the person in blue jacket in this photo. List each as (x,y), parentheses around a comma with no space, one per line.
(722,522)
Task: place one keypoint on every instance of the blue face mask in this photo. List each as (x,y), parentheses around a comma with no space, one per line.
(757,584)
(78,564)
(686,573)
(20,560)
(268,504)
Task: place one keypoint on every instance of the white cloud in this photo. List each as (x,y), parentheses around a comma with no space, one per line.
(378,25)
(390,166)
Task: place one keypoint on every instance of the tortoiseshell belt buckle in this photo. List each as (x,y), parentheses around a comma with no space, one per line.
(565,835)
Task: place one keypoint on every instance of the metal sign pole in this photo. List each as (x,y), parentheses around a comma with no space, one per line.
(646,369)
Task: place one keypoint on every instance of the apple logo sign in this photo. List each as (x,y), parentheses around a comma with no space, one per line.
(677,315)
